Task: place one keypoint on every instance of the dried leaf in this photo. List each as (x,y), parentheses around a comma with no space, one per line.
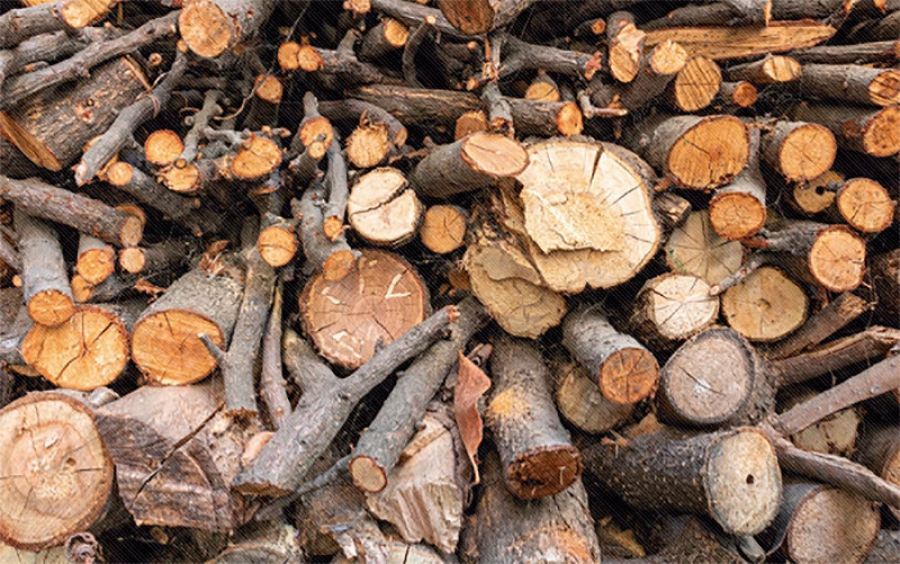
(471,384)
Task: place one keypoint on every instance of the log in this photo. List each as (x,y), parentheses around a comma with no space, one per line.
(799,151)
(87,215)
(869,131)
(284,461)
(272,385)
(543,88)
(519,55)
(55,455)
(504,528)
(232,21)
(878,449)
(815,195)
(175,455)
(738,210)
(44,282)
(827,321)
(469,164)
(277,242)
(695,248)
(96,260)
(766,306)
(21,24)
(738,94)
(623,368)
(771,69)
(50,46)
(267,95)
(701,474)
(443,228)
(818,523)
(536,454)
(852,83)
(381,299)
(865,205)
(857,53)
(85,352)
(835,434)
(334,258)
(695,152)
(481,16)
(163,147)
(383,38)
(268,544)
(626,45)
(49,133)
(580,401)
(382,209)
(671,308)
(164,343)
(696,85)
(379,448)
(164,256)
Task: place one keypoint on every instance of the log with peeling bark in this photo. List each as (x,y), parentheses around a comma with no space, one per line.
(55,455)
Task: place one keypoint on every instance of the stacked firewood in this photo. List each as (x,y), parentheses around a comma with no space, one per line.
(436,281)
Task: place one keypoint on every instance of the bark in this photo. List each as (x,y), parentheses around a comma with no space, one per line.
(69,461)
(626,46)
(519,56)
(536,453)
(829,320)
(44,47)
(351,109)
(335,258)
(624,369)
(857,53)
(272,385)
(165,256)
(865,130)
(851,83)
(234,22)
(198,123)
(771,69)
(885,270)
(410,71)
(95,218)
(383,38)
(165,343)
(658,68)
(878,449)
(23,23)
(738,210)
(284,461)
(835,434)
(504,528)
(45,286)
(413,14)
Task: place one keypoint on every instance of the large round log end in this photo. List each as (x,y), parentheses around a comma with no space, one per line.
(710,153)
(167,349)
(206,28)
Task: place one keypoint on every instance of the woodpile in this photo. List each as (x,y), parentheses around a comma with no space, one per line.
(441,281)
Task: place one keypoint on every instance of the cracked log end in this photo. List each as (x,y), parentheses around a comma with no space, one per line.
(736,215)
(347,319)
(166,348)
(865,205)
(207,29)
(673,307)
(710,153)
(443,228)
(765,306)
(258,158)
(697,84)
(493,155)
(837,259)
(277,245)
(87,351)
(182,180)
(802,151)
(628,375)
(268,88)
(54,456)
(50,307)
(743,481)
(695,248)
(163,147)
(880,134)
(382,209)
(368,145)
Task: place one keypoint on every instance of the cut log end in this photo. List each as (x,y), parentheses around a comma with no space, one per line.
(710,153)
(96,265)
(260,157)
(837,259)
(743,481)
(132,231)
(470,122)
(543,472)
(677,306)
(374,304)
(132,260)
(88,351)
(367,474)
(744,94)
(368,145)
(167,349)
(832,525)
(338,266)
(443,228)
(569,119)
(162,147)
(494,155)
(206,28)
(277,245)
(766,306)
(695,248)
(183,180)
(736,215)
(269,88)
(884,90)
(579,400)
(51,308)
(697,84)
(814,196)
(60,459)
(881,134)
(806,152)
(628,375)
(382,209)
(865,205)
(312,130)
(668,58)
(780,69)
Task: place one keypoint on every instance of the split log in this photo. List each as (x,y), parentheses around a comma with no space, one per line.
(382,209)
(866,130)
(160,257)
(328,401)
(232,21)
(165,343)
(426,493)
(695,248)
(175,455)
(96,260)
(481,16)
(696,85)
(835,434)
(379,447)
(45,285)
(695,152)
(47,129)
(818,523)
(237,363)
(671,308)
(536,454)
(558,528)
(443,228)
(864,204)
(54,455)
(87,351)
(272,385)
(381,299)
(799,151)
(87,215)
(469,164)
(766,306)
(731,476)
(729,42)
(626,45)
(623,368)
(335,259)
(771,69)
(852,83)
(738,210)
(580,401)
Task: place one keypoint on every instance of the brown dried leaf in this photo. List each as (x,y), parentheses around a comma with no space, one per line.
(471,384)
